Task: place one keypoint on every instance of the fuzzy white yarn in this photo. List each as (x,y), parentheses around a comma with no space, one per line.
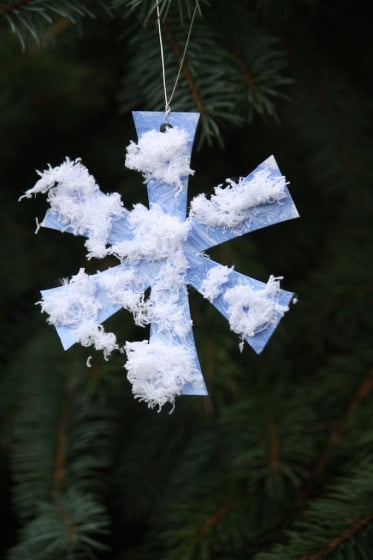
(172,272)
(213,283)
(252,311)
(165,311)
(76,303)
(158,371)
(90,333)
(231,205)
(163,156)
(156,236)
(77,306)
(123,287)
(79,203)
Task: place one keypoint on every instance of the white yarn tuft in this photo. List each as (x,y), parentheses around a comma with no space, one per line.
(77,306)
(162,156)
(165,311)
(156,236)
(79,203)
(123,287)
(212,285)
(231,205)
(76,303)
(252,311)
(158,371)
(90,333)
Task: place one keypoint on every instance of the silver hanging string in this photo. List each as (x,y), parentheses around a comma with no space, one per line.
(168,100)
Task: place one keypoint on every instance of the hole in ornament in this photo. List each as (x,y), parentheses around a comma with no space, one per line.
(245,308)
(165,126)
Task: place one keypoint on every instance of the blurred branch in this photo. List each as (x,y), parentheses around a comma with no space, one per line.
(4,10)
(339,539)
(362,393)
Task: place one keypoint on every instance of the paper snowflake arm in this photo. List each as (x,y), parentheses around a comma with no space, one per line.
(158,247)
(259,200)
(252,308)
(82,304)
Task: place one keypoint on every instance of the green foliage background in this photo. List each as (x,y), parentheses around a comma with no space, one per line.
(277,463)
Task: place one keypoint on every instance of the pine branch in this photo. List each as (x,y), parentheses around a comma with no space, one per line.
(61,454)
(4,10)
(67,522)
(331,521)
(247,76)
(73,527)
(62,435)
(34,18)
(362,393)
(215,518)
(337,541)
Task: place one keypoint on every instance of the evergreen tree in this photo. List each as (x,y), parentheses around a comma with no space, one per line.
(277,463)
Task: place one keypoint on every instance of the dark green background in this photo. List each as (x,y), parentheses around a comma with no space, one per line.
(280,434)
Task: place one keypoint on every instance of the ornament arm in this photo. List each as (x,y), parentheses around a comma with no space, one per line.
(252,308)
(256,201)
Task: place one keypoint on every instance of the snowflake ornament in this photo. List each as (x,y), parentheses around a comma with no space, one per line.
(161,248)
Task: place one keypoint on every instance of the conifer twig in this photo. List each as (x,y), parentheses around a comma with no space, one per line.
(213,519)
(339,539)
(59,470)
(246,74)
(5,10)
(70,527)
(335,435)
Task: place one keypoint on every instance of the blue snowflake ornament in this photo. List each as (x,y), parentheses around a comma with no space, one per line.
(161,248)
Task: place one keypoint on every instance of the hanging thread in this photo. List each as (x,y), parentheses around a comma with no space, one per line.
(168,100)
